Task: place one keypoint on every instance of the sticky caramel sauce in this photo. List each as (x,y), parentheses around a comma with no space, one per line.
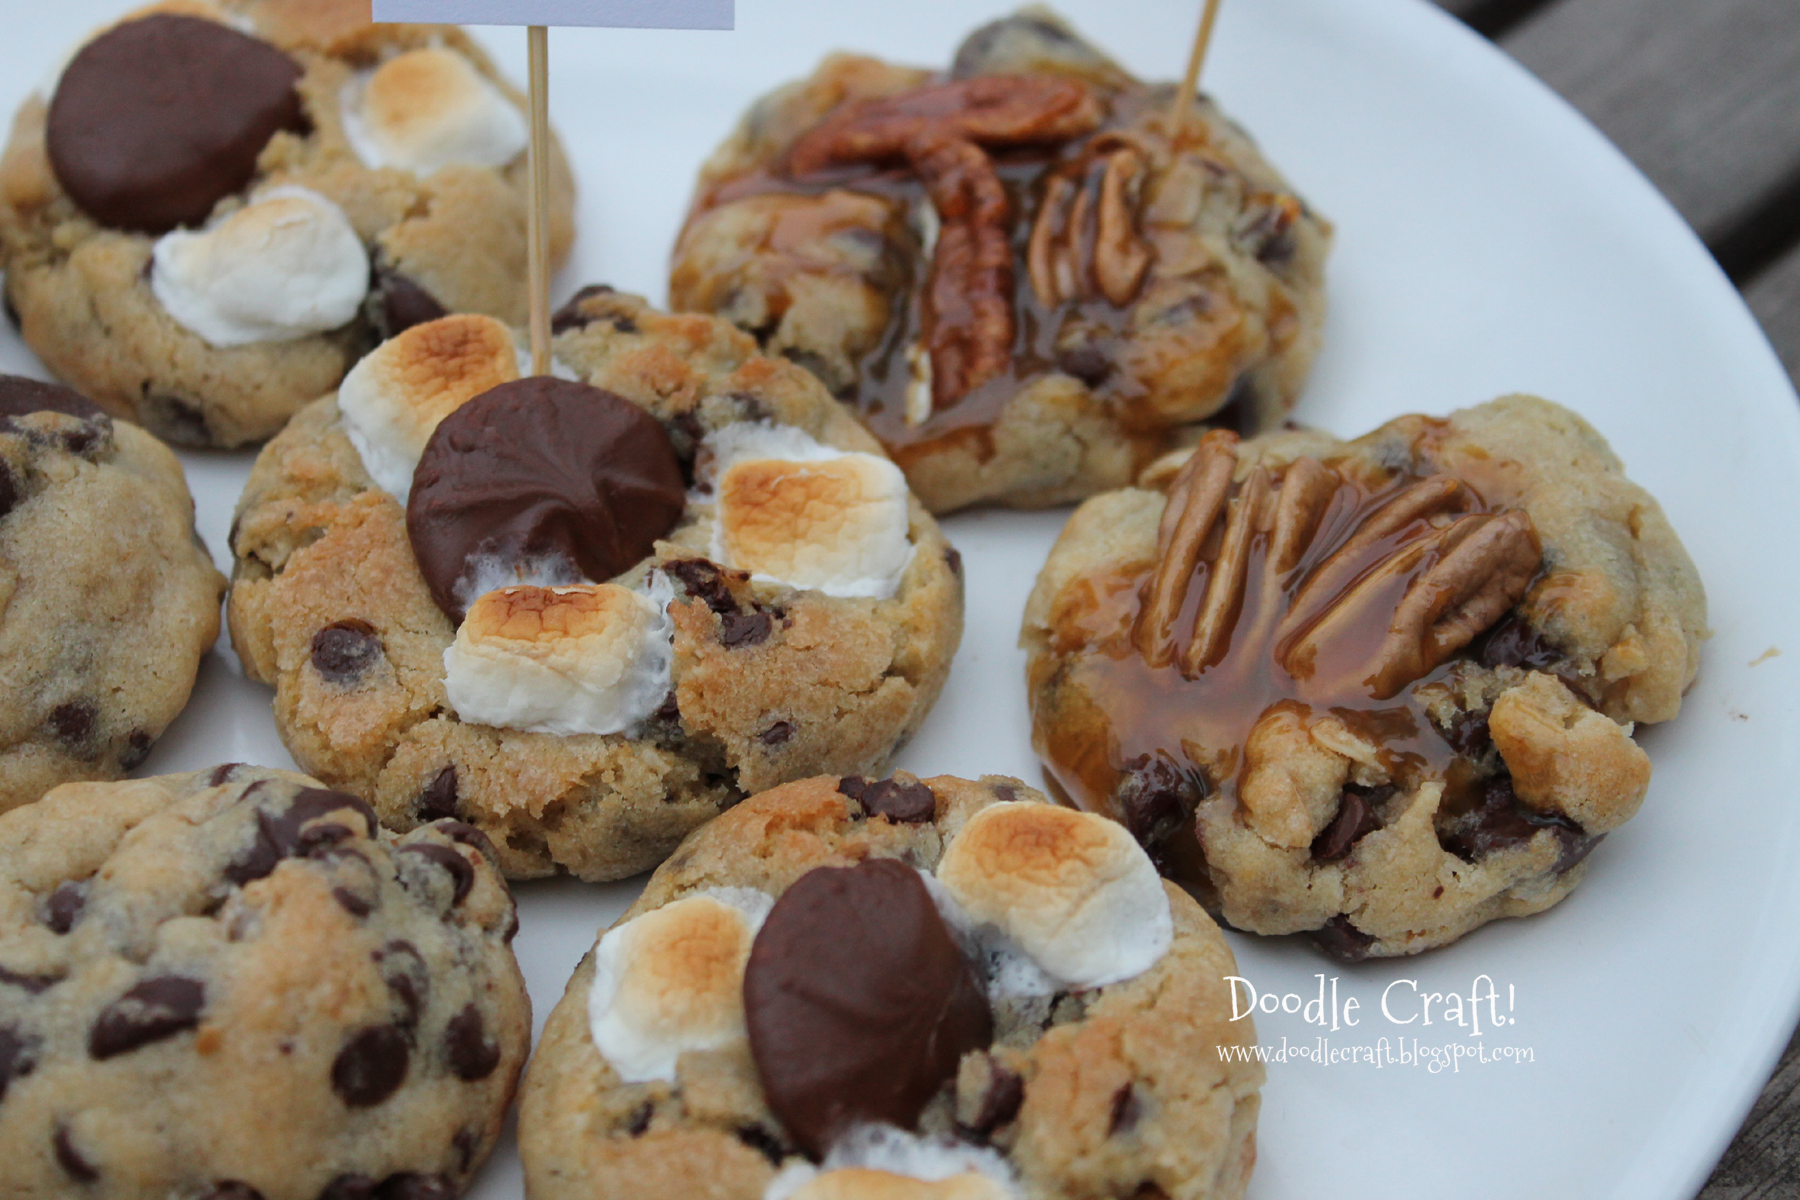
(1101,711)
(885,373)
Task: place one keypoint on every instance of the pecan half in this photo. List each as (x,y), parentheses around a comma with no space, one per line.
(941,132)
(1119,257)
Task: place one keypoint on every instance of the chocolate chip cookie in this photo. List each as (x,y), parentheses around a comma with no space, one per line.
(108,599)
(932,989)
(232,984)
(1021,276)
(221,206)
(586,616)
(1381,690)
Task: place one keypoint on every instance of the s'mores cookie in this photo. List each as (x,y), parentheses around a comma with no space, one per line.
(108,598)
(586,614)
(902,989)
(233,984)
(1018,273)
(1381,691)
(221,204)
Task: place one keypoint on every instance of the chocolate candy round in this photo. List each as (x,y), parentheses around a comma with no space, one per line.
(157,120)
(859,1001)
(541,468)
(20,396)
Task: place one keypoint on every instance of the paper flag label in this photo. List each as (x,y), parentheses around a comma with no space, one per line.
(615,14)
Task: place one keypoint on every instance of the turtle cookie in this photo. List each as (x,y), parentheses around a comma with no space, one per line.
(108,599)
(232,985)
(1021,276)
(223,203)
(903,989)
(1382,691)
(586,616)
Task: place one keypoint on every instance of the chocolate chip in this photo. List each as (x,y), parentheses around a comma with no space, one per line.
(1468,733)
(137,749)
(777,733)
(175,420)
(231,1189)
(157,120)
(640,1119)
(468,835)
(285,835)
(464,1143)
(541,469)
(1126,1111)
(404,971)
(737,630)
(349,1187)
(344,651)
(763,1142)
(1154,797)
(1355,819)
(439,799)
(18,1058)
(12,312)
(1087,362)
(9,491)
(1514,643)
(1342,940)
(953,559)
(357,906)
(1489,817)
(73,722)
(462,875)
(371,1066)
(33,984)
(1576,848)
(472,1055)
(570,316)
(1000,1099)
(705,582)
(397,303)
(410,1186)
(858,1001)
(70,1159)
(20,397)
(901,803)
(223,774)
(157,1008)
(671,708)
(63,908)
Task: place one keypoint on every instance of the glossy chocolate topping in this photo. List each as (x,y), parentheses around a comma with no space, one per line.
(157,120)
(541,468)
(20,396)
(859,1001)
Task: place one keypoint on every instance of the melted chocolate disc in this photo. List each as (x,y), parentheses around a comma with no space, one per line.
(541,468)
(20,396)
(157,120)
(859,1001)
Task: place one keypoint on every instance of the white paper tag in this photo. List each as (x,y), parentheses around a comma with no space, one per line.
(613,14)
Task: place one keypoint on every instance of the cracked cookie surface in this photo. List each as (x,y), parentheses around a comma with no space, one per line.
(1014,272)
(1115,1090)
(108,600)
(1381,690)
(231,984)
(449,239)
(769,682)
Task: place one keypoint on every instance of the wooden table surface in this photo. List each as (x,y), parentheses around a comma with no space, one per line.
(1704,95)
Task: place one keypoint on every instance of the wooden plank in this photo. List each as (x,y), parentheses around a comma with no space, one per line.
(1704,95)
(1775,298)
(1763,1162)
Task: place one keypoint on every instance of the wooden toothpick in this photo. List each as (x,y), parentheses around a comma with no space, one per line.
(537,218)
(1190,82)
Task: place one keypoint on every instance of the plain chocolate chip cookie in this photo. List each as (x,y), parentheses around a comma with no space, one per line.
(1381,690)
(232,985)
(933,989)
(108,600)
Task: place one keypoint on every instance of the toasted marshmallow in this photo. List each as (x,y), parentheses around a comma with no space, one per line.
(880,1162)
(592,658)
(285,266)
(790,510)
(1071,891)
(397,394)
(672,980)
(430,108)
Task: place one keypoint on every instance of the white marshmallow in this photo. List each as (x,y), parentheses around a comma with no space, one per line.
(793,511)
(427,109)
(1071,891)
(592,658)
(394,398)
(880,1162)
(285,266)
(672,980)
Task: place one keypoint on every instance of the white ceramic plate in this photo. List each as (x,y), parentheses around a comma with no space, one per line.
(1488,241)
